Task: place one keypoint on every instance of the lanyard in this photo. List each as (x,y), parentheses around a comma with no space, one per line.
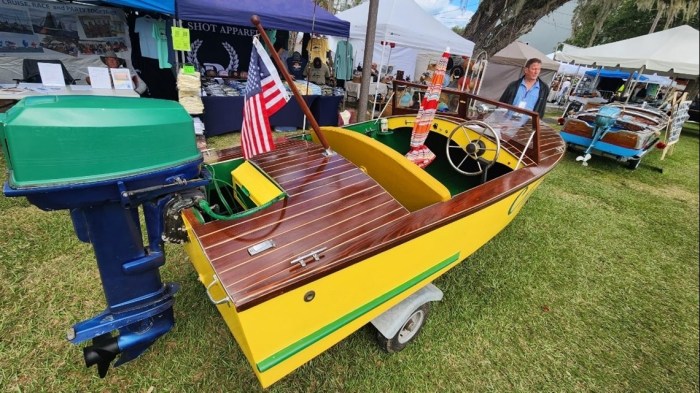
(528,91)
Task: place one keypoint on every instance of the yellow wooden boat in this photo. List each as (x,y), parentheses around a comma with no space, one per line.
(316,245)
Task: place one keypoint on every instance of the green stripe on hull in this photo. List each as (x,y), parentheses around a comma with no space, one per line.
(311,339)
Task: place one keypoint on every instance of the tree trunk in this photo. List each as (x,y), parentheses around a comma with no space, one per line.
(367,61)
(596,29)
(669,18)
(659,12)
(605,7)
(497,23)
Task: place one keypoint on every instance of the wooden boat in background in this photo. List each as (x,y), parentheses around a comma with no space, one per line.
(634,133)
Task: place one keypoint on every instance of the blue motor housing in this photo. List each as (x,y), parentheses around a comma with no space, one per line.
(103,183)
(607,116)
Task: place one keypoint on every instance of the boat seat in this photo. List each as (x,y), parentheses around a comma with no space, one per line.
(413,187)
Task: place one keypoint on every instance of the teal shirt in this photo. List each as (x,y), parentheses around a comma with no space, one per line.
(343,61)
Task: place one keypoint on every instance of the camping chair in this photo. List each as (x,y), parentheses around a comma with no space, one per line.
(30,71)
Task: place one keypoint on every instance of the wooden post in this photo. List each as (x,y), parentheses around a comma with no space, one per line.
(283,68)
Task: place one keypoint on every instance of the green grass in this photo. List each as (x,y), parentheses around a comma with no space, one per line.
(593,287)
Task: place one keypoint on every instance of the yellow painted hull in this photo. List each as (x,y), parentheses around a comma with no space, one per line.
(281,334)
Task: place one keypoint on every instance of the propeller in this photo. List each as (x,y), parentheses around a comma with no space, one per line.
(103,350)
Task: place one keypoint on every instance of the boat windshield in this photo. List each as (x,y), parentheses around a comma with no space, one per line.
(506,122)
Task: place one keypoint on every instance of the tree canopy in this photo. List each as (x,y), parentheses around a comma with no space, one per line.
(497,23)
(599,22)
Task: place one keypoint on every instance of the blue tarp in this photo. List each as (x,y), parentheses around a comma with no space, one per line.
(614,74)
(292,15)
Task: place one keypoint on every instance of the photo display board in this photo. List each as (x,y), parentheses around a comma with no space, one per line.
(31,27)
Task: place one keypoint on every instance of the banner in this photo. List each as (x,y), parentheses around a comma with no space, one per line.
(223,49)
(31,27)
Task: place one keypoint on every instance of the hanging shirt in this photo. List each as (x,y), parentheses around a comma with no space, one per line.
(160,36)
(153,39)
(317,47)
(144,27)
(527,99)
(343,61)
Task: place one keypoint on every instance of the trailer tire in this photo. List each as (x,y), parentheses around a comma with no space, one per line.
(408,332)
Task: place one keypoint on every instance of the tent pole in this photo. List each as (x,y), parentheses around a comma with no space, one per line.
(177,53)
(634,83)
(379,78)
(300,100)
(670,87)
(367,59)
(478,75)
(379,71)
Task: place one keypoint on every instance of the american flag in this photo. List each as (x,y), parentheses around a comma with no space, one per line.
(264,95)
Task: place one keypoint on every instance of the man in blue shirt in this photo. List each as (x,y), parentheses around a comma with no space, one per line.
(528,92)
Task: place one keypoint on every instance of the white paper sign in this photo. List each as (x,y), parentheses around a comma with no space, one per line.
(121,78)
(100,78)
(680,116)
(51,74)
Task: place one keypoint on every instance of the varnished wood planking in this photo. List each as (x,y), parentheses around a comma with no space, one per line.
(305,235)
(272,274)
(251,281)
(315,199)
(307,211)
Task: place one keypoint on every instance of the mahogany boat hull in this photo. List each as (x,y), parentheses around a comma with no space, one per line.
(634,134)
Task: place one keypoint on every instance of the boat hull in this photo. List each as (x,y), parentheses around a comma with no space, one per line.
(281,334)
(358,231)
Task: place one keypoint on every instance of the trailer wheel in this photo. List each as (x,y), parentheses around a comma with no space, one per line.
(408,331)
(633,163)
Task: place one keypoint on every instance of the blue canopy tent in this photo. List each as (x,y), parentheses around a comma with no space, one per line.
(607,82)
(166,7)
(292,15)
(614,74)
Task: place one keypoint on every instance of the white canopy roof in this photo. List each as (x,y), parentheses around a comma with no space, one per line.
(674,50)
(518,53)
(573,69)
(408,25)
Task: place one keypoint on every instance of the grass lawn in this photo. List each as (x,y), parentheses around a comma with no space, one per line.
(593,287)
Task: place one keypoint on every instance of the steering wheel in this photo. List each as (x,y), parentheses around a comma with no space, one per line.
(474,148)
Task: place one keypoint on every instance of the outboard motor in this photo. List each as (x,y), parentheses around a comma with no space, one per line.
(604,122)
(101,158)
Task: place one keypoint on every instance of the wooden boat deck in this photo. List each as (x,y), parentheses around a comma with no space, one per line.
(333,205)
(318,187)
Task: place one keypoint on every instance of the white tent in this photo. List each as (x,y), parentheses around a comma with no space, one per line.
(674,50)
(410,28)
(408,25)
(573,69)
(507,65)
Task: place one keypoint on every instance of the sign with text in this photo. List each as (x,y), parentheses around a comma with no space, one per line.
(680,116)
(223,49)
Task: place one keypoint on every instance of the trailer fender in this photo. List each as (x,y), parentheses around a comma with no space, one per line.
(389,323)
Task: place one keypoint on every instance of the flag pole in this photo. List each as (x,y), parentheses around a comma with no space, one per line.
(283,69)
